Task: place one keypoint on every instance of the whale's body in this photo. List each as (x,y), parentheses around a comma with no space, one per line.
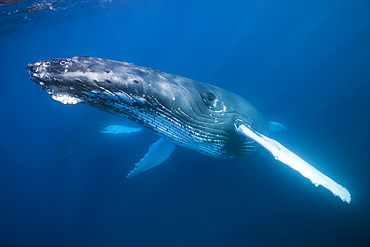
(188,112)
(184,112)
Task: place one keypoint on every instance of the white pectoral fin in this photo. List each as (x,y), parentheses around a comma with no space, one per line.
(157,154)
(287,157)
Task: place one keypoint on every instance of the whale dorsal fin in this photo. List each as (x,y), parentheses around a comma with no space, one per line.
(287,157)
(157,154)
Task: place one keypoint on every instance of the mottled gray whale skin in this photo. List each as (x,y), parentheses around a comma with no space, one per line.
(189,113)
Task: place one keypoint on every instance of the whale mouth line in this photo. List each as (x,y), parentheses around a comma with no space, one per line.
(56,93)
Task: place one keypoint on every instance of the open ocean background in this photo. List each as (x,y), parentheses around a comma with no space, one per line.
(305,64)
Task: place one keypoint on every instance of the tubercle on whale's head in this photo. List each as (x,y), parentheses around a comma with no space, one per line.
(68,64)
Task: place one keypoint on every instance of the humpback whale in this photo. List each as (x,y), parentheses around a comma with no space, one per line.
(184,112)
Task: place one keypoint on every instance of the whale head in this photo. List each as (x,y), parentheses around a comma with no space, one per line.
(78,79)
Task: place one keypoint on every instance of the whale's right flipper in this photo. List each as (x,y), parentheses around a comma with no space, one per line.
(287,157)
(157,154)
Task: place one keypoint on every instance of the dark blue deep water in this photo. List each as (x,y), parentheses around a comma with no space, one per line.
(305,64)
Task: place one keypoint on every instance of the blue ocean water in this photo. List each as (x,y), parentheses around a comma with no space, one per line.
(305,64)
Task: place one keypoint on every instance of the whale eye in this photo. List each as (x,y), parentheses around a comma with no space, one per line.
(210,100)
(210,96)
